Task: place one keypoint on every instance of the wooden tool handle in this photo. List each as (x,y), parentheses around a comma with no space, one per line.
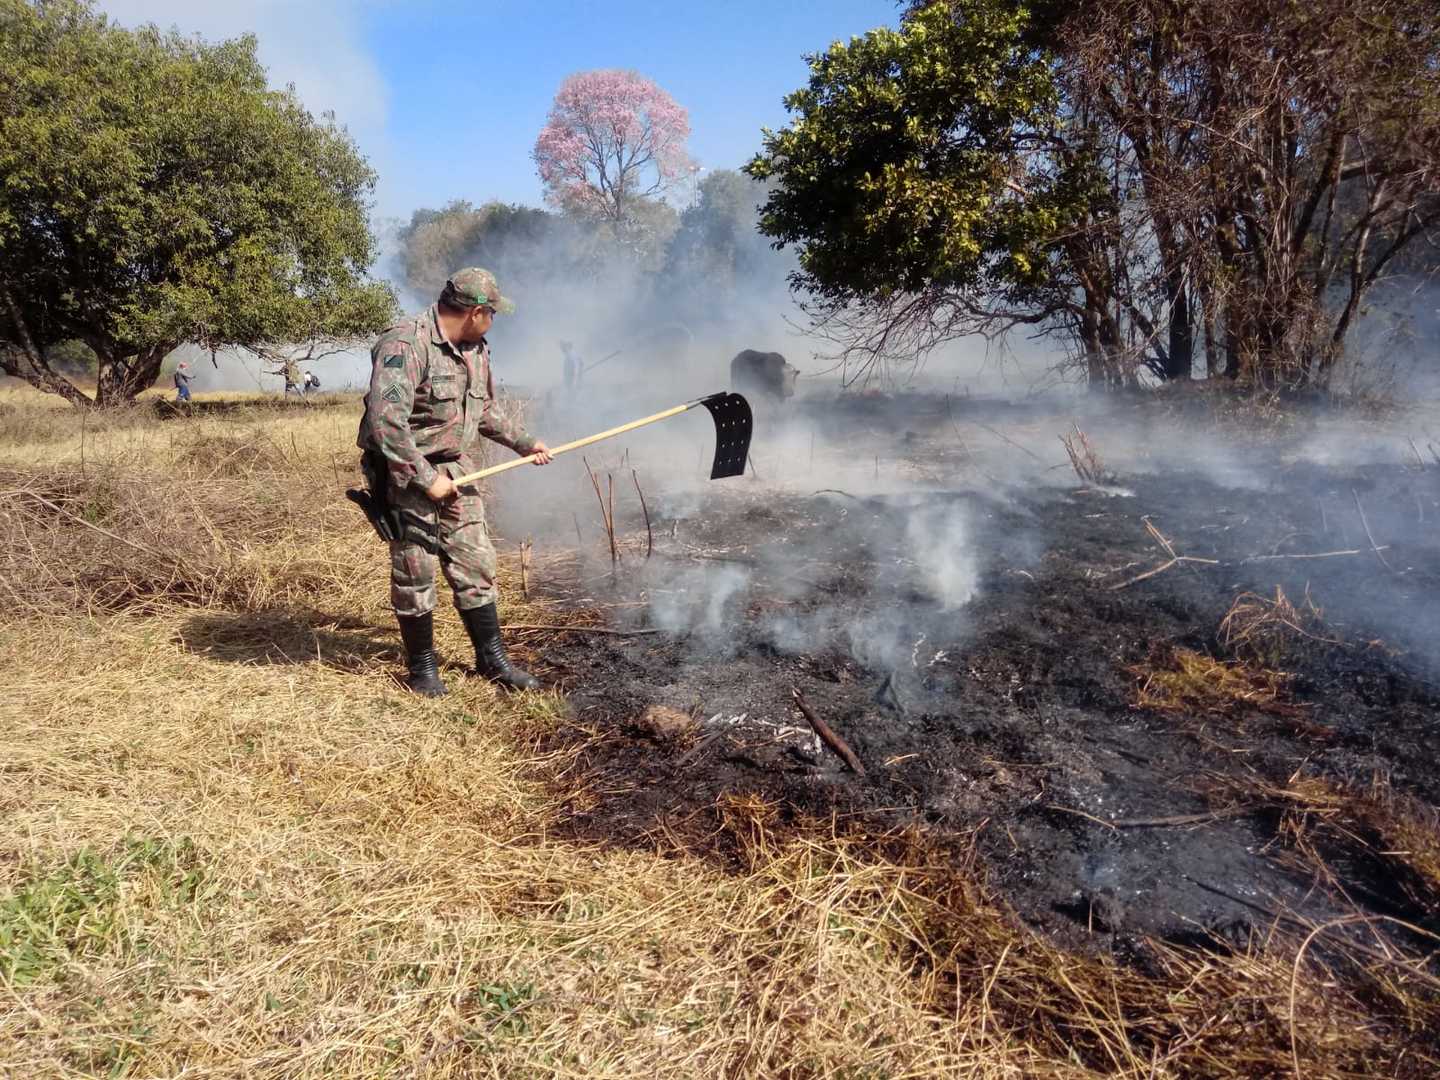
(470,478)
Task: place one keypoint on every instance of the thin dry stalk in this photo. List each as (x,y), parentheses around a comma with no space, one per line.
(610,517)
(1083,457)
(645,509)
(526,548)
(1006,438)
(605,512)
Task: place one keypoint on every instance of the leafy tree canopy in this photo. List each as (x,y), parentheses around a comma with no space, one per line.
(156,191)
(718,265)
(1150,180)
(916,158)
(519,243)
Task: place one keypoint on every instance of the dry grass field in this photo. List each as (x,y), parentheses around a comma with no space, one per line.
(231,845)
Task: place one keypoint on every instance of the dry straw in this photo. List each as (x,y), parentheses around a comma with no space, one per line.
(232,846)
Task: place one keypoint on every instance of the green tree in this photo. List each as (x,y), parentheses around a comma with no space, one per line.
(924,179)
(717,261)
(718,236)
(514,241)
(1154,181)
(154,191)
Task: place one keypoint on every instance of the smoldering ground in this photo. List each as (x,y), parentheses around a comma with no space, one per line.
(1005,646)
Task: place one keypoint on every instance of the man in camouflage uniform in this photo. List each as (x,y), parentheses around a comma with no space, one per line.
(431,396)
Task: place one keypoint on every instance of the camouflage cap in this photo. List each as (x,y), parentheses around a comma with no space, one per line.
(472,287)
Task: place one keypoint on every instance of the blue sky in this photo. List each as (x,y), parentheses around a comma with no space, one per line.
(398,73)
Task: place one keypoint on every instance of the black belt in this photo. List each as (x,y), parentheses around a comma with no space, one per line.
(442,457)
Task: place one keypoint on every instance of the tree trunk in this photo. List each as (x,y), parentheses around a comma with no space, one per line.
(1181,352)
(1181,357)
(1213,366)
(28,362)
(121,378)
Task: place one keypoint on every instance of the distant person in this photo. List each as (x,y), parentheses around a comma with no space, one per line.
(312,382)
(182,381)
(292,378)
(431,397)
(574,365)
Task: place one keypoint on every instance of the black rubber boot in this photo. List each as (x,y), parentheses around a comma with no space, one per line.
(418,633)
(483,624)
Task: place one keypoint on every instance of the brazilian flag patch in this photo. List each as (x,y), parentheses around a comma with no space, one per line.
(396,361)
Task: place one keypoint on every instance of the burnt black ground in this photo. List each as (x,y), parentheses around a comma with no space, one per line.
(1013,713)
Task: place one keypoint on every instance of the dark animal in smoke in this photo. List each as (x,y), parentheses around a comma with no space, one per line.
(764,374)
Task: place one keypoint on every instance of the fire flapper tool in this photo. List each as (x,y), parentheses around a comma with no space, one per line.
(734,425)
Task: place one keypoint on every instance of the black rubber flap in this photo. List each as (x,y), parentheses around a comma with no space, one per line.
(733,427)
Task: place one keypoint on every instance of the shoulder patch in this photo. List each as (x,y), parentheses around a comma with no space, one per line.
(392,392)
(396,361)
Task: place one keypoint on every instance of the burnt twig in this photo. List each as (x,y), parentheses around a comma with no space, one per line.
(1368,534)
(610,518)
(698,749)
(580,629)
(649,533)
(1419,460)
(1316,555)
(1162,568)
(839,745)
(1011,441)
(1156,822)
(1161,539)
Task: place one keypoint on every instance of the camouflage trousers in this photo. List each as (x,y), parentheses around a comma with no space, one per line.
(466,555)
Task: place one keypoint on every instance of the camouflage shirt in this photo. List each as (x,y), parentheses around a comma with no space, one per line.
(428,398)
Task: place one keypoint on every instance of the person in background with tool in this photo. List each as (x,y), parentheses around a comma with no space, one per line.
(431,397)
(574,369)
(182,381)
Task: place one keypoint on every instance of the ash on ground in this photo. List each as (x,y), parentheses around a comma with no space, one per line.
(985,631)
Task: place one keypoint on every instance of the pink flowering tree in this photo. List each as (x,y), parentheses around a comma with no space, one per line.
(612,140)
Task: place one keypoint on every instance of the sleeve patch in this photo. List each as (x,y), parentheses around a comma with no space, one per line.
(396,361)
(392,392)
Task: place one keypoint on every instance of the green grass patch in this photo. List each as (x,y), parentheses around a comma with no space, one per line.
(79,907)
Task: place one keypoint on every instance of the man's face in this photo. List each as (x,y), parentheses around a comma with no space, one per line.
(478,321)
